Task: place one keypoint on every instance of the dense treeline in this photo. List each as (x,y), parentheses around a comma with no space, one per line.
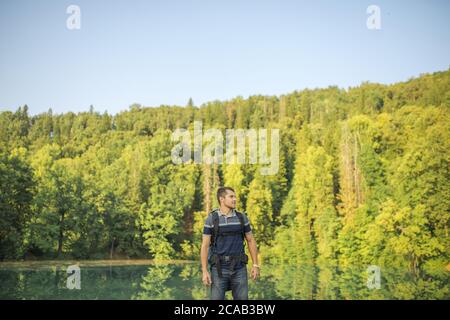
(363,179)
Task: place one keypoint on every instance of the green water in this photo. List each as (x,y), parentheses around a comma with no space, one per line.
(183,281)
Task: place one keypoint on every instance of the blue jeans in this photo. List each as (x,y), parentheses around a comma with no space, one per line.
(235,280)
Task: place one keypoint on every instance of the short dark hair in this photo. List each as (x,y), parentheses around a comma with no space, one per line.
(222,192)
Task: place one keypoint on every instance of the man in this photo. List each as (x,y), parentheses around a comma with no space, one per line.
(223,248)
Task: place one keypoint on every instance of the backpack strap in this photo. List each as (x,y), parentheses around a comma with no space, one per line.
(241,220)
(215,231)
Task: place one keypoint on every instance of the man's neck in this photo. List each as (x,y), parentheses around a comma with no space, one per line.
(227,211)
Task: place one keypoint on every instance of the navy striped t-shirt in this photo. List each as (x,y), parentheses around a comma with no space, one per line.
(231,245)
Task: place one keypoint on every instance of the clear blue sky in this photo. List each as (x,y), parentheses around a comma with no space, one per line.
(165,51)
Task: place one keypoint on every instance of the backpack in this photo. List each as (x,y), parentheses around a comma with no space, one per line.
(216,232)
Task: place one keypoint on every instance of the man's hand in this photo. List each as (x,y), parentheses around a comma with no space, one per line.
(255,272)
(206,278)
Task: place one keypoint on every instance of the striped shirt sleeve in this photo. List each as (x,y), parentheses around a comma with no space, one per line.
(247,226)
(207,228)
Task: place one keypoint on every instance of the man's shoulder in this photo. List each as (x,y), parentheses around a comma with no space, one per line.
(210,215)
(243,214)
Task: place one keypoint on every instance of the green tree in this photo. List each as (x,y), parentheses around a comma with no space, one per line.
(16,190)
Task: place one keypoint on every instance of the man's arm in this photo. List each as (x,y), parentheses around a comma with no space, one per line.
(206,277)
(252,247)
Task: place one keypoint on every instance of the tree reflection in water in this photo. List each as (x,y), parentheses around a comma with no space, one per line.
(183,281)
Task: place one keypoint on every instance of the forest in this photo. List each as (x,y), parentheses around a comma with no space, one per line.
(363,179)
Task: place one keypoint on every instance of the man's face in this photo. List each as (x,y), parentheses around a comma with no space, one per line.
(229,200)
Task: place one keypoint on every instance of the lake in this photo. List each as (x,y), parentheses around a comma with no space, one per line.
(143,279)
